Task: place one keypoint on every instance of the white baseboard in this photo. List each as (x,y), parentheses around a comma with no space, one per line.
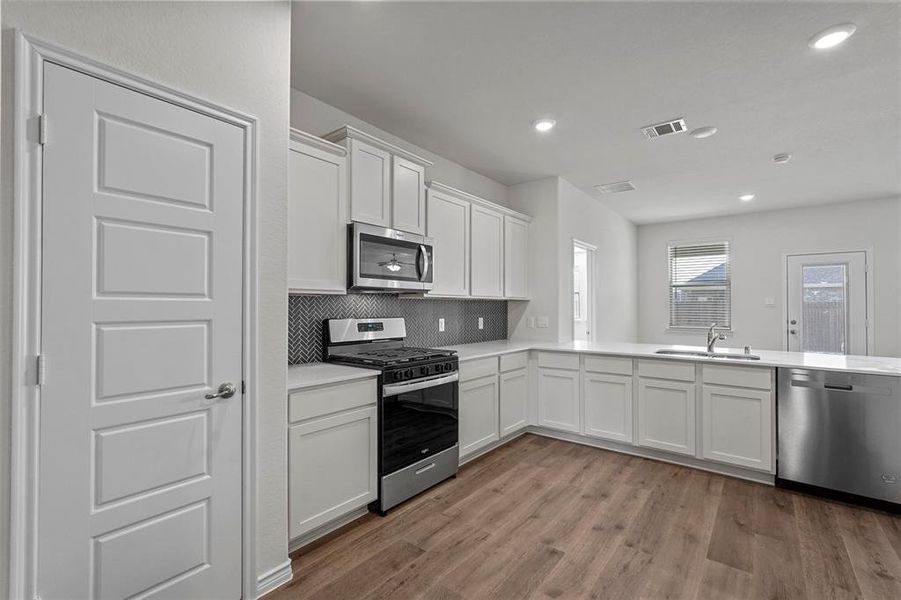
(326,528)
(684,461)
(274,578)
(491,447)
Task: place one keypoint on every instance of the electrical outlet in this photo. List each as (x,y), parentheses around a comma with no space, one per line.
(441,324)
(543,322)
(769,302)
(481,323)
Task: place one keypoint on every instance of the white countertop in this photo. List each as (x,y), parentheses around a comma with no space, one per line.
(874,365)
(313,374)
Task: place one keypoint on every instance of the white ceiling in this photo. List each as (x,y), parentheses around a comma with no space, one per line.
(466,80)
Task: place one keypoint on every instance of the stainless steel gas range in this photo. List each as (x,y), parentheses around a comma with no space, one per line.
(418,404)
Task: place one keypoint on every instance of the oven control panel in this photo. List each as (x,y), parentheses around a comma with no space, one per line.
(405,373)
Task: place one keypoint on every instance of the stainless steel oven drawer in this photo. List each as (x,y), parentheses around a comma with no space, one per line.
(409,481)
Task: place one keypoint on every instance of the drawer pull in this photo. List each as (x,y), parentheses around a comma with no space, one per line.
(422,470)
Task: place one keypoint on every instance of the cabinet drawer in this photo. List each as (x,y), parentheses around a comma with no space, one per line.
(557,360)
(480,367)
(666,369)
(616,365)
(748,377)
(328,399)
(511,362)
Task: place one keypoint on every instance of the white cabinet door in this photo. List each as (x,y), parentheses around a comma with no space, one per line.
(408,196)
(514,401)
(516,258)
(370,184)
(448,226)
(487,253)
(666,415)
(608,407)
(558,399)
(317,220)
(332,467)
(737,426)
(478,414)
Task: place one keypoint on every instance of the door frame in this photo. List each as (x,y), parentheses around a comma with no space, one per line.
(869,319)
(591,265)
(31,54)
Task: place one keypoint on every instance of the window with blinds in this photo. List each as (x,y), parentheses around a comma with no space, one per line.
(700,285)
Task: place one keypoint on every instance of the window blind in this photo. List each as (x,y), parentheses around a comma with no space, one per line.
(700,281)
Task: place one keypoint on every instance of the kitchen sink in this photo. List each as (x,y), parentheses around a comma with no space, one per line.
(703,354)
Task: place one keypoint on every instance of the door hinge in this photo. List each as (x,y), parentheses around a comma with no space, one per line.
(42,129)
(243,388)
(41,371)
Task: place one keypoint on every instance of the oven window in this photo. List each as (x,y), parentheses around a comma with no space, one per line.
(418,424)
(382,258)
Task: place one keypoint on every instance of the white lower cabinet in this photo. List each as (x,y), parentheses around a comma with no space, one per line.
(514,392)
(607,402)
(666,415)
(737,426)
(332,467)
(478,413)
(558,399)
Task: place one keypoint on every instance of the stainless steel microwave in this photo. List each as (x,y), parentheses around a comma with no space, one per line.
(388,260)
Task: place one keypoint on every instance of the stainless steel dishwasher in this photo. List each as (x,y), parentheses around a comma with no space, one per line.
(840,432)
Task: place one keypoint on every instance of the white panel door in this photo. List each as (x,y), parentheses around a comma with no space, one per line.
(516,258)
(737,426)
(332,467)
(827,303)
(408,196)
(478,414)
(608,407)
(487,253)
(370,184)
(140,476)
(317,220)
(514,401)
(666,415)
(448,226)
(558,399)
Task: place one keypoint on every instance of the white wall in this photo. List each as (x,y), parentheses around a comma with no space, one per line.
(236,54)
(561,212)
(315,116)
(759,243)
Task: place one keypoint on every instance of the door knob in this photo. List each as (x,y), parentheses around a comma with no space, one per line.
(793,331)
(226,390)
(793,322)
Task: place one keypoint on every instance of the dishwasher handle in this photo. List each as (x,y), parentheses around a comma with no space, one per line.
(838,387)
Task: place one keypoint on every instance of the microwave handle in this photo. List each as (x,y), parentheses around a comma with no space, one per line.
(423,262)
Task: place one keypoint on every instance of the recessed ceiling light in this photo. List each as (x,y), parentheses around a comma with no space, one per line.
(746,197)
(829,38)
(703,132)
(544,125)
(782,158)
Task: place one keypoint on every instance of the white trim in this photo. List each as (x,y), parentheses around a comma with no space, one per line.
(303,137)
(326,528)
(869,279)
(274,578)
(30,55)
(353,133)
(591,265)
(446,189)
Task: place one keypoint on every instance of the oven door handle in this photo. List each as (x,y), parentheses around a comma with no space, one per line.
(420,384)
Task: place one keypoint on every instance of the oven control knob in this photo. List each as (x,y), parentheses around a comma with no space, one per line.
(408,373)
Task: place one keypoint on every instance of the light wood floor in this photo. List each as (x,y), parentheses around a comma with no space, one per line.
(541,518)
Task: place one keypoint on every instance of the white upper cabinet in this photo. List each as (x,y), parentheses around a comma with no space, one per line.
(516,257)
(487,248)
(317,216)
(387,183)
(408,196)
(448,226)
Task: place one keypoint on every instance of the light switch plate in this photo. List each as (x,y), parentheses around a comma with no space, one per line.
(530,323)
(769,302)
(441,324)
(543,322)
(481,323)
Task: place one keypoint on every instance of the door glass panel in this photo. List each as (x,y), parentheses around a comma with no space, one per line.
(388,259)
(824,308)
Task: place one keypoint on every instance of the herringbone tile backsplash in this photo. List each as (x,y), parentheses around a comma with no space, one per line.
(461,318)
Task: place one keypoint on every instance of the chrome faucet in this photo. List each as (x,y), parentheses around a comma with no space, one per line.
(713,337)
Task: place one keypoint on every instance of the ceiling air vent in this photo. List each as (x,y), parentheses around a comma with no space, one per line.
(615,187)
(661,129)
